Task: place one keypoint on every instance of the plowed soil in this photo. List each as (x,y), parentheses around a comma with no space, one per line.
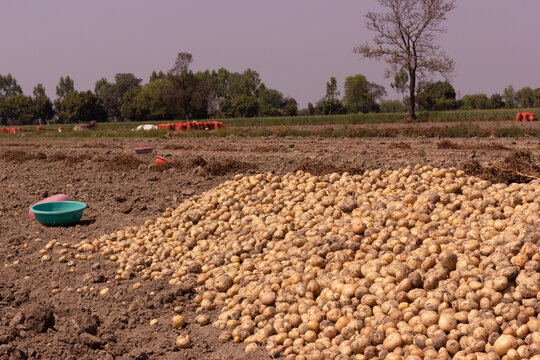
(54,310)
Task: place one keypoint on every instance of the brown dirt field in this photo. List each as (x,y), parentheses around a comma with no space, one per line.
(533,125)
(43,316)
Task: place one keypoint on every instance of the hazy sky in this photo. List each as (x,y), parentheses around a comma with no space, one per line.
(295,45)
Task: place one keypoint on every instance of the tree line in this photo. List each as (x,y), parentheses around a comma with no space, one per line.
(183,94)
(178,94)
(441,95)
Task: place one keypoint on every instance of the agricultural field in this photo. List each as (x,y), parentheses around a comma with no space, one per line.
(460,123)
(406,244)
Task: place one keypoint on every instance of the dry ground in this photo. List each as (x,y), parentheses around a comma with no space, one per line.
(123,189)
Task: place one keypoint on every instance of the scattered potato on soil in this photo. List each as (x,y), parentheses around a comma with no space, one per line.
(104,291)
(183,341)
(178,321)
(202,320)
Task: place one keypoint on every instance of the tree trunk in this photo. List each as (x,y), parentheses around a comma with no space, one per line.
(412,88)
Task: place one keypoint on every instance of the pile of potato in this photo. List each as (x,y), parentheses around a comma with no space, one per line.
(417,263)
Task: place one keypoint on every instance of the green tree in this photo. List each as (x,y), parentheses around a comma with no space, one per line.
(226,108)
(330,104)
(332,92)
(17,110)
(228,86)
(361,95)
(468,102)
(188,94)
(208,79)
(439,95)
(65,87)
(42,105)
(112,95)
(273,103)
(39,90)
(9,86)
(182,64)
(311,109)
(148,102)
(525,97)
(330,107)
(157,76)
(101,88)
(537,97)
(124,82)
(496,101)
(238,84)
(401,80)
(221,83)
(270,101)
(376,91)
(509,97)
(356,96)
(290,107)
(246,106)
(43,108)
(475,101)
(392,106)
(406,39)
(81,106)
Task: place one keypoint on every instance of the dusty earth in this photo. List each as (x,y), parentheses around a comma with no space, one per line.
(54,310)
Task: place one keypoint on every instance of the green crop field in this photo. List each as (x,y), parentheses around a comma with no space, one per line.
(319,125)
(376,118)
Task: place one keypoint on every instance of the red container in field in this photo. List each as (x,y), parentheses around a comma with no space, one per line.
(525,116)
(161,160)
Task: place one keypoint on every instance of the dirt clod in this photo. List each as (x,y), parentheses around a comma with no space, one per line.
(39,318)
(316,167)
(519,167)
(447,144)
(399,145)
(123,163)
(20,156)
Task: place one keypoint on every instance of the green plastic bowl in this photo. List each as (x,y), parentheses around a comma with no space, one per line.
(58,212)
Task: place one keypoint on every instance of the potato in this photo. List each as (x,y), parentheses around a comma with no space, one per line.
(183,341)
(178,321)
(504,343)
(416,263)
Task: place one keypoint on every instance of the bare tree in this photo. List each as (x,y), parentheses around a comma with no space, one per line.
(405,39)
(181,66)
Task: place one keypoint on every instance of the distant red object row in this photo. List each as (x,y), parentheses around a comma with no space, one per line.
(525,116)
(11,130)
(196,125)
